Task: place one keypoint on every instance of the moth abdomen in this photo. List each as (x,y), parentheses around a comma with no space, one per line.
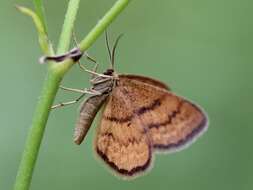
(88,111)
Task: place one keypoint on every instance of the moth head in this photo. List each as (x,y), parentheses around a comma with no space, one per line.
(109,72)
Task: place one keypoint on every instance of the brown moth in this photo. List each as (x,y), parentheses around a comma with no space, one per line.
(140,117)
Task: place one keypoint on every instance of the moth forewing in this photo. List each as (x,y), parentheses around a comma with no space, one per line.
(141,116)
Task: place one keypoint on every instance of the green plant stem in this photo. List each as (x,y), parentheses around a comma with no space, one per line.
(39,8)
(103,23)
(44,42)
(68,26)
(36,132)
(55,74)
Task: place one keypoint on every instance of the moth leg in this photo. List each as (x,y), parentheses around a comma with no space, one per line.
(94,73)
(84,92)
(68,103)
(88,57)
(74,89)
(96,81)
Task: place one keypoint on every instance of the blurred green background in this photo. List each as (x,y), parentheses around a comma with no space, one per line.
(201,48)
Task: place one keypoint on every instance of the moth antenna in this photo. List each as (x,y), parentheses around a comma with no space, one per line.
(114,49)
(108,45)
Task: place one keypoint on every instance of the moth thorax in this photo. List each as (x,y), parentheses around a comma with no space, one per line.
(104,86)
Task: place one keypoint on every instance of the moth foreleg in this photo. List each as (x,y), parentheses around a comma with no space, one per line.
(84,92)
(68,103)
(93,73)
(74,90)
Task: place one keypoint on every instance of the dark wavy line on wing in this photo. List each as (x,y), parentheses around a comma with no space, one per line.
(155,104)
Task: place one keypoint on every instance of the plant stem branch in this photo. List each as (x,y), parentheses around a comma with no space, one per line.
(68,26)
(55,74)
(103,23)
(44,42)
(39,8)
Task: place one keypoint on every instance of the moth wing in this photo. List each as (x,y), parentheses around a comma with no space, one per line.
(171,121)
(121,142)
(146,80)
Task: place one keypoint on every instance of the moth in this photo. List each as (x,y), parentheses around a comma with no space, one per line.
(140,116)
